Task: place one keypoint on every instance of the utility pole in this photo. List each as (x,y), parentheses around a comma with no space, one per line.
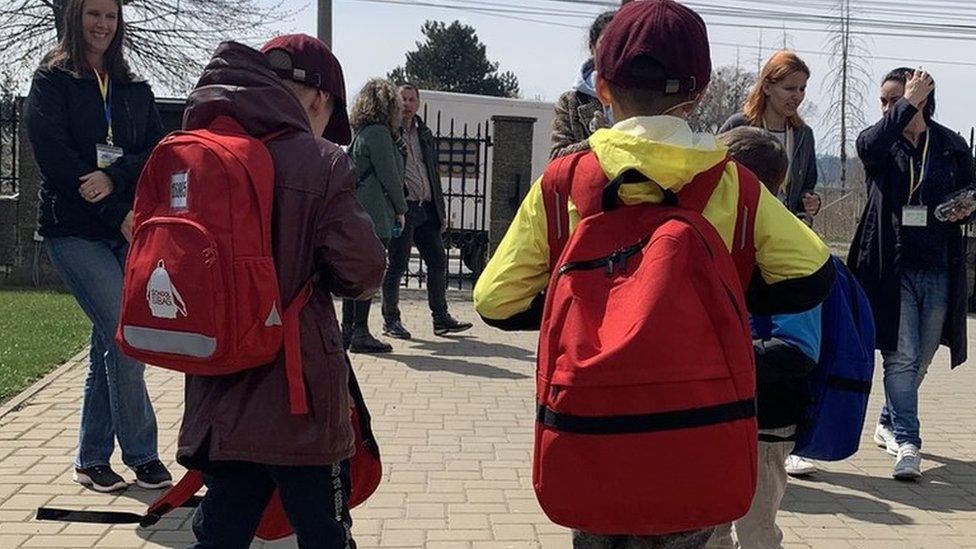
(845,38)
(325,22)
(759,55)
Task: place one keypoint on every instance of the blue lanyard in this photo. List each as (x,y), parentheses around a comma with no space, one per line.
(105,88)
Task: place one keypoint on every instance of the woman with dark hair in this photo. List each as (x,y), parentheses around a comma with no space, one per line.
(578,112)
(376,117)
(92,125)
(773,104)
(911,264)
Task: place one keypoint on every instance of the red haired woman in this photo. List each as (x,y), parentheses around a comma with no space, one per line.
(773,104)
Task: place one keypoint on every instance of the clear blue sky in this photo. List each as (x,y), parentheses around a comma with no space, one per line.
(372,38)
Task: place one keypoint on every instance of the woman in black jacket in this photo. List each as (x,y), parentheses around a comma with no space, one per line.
(92,126)
(911,264)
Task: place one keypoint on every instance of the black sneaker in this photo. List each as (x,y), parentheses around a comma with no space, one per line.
(396,330)
(365,343)
(153,475)
(100,478)
(449,325)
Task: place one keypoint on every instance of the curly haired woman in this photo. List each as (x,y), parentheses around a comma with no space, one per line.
(375,117)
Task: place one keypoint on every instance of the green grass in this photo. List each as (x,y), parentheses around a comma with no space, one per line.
(38,331)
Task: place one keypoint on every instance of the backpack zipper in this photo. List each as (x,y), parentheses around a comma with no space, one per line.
(613,262)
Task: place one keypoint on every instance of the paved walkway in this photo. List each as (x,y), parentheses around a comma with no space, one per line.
(454,419)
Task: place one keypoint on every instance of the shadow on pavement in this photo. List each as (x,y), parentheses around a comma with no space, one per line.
(949,487)
(473,347)
(806,499)
(454,366)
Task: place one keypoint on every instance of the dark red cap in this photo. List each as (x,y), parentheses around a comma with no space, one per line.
(307,60)
(656,45)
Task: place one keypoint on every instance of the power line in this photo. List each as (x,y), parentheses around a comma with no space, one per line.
(521,13)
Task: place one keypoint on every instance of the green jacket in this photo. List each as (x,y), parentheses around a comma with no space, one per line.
(379,182)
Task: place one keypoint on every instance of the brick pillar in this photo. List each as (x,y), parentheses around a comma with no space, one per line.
(511,171)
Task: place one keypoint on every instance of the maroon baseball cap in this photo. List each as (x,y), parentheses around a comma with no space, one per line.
(307,60)
(656,45)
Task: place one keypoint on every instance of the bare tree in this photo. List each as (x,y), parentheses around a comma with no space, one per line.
(726,95)
(167,40)
(847,84)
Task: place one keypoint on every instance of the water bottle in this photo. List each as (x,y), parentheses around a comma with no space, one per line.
(962,202)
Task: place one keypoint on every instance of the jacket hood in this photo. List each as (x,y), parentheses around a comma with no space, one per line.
(586,81)
(662,148)
(239,83)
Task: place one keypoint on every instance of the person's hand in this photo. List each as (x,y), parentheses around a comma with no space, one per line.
(95,186)
(126,227)
(920,84)
(401,220)
(960,214)
(811,203)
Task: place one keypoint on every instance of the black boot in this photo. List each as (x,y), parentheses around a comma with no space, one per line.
(362,340)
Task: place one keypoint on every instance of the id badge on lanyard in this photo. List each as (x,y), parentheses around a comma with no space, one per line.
(916,216)
(106,154)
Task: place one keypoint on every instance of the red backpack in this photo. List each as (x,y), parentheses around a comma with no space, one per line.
(201,289)
(646,378)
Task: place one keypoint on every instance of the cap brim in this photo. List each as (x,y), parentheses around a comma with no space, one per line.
(338,131)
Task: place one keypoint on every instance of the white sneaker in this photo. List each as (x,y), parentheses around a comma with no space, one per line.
(884,438)
(909,463)
(799,467)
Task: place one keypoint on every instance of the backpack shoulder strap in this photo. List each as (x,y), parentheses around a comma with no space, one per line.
(292,343)
(744,241)
(695,196)
(557,185)
(181,494)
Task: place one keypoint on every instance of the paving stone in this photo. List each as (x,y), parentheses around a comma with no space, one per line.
(455,420)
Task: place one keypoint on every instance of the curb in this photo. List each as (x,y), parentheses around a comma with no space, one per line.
(20,399)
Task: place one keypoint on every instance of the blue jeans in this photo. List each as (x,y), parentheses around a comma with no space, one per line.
(315,500)
(924,305)
(115,401)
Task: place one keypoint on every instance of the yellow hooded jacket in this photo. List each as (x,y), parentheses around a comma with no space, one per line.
(793,271)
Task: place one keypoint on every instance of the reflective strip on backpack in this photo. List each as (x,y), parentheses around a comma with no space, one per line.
(170,342)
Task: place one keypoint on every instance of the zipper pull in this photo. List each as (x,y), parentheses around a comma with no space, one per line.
(610,261)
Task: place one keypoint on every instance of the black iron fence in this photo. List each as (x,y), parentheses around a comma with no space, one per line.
(8,145)
(463,164)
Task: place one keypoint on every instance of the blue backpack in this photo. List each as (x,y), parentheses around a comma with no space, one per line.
(841,383)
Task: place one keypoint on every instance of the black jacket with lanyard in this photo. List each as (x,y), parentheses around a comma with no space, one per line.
(67,120)
(921,177)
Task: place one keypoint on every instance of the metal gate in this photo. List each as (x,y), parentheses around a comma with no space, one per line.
(463,164)
(8,145)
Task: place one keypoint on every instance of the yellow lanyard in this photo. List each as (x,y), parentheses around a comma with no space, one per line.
(105,87)
(914,185)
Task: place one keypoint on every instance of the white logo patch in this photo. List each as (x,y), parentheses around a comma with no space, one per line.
(164,300)
(274,319)
(179,187)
